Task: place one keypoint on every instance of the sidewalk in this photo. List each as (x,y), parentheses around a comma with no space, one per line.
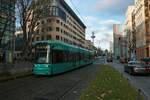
(11,71)
(140,82)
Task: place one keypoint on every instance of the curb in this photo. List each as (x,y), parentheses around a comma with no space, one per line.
(15,76)
(140,91)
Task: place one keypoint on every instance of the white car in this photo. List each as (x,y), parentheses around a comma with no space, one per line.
(135,67)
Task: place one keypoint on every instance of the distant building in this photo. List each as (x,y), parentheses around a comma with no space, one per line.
(19,34)
(119,42)
(117,33)
(89,44)
(111,47)
(60,23)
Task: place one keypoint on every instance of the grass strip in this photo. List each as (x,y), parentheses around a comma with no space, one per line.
(110,85)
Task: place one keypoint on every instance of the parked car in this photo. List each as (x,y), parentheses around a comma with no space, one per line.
(146,60)
(109,59)
(135,67)
(123,60)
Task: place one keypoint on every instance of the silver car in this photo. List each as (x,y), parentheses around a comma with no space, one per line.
(135,67)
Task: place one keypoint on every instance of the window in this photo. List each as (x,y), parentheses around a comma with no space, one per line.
(32,39)
(42,38)
(57,21)
(29,26)
(42,30)
(57,29)
(64,40)
(49,37)
(147,52)
(61,30)
(37,38)
(65,32)
(67,40)
(57,37)
(42,22)
(49,20)
(56,11)
(49,29)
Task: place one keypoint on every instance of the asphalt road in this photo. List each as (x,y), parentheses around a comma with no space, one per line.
(140,82)
(67,86)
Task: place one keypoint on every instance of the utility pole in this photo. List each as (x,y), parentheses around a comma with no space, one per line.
(93,36)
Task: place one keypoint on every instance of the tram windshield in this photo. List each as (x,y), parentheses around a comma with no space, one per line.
(42,54)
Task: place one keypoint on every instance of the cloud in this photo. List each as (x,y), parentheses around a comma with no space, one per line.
(109,22)
(99,16)
(92,21)
(116,7)
(102,28)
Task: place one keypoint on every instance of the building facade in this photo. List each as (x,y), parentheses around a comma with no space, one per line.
(7,20)
(119,42)
(59,22)
(89,44)
(117,32)
(129,30)
(142,26)
(111,47)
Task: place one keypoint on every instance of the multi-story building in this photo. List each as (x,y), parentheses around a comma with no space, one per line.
(89,44)
(142,25)
(111,47)
(129,30)
(119,42)
(117,33)
(60,22)
(19,34)
(7,20)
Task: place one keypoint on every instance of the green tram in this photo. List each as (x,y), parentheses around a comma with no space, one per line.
(54,57)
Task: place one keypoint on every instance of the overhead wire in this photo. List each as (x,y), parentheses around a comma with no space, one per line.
(78,12)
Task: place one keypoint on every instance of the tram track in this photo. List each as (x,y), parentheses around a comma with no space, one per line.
(68,90)
(67,86)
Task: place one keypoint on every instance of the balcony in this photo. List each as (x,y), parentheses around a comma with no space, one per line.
(146,13)
(146,18)
(148,42)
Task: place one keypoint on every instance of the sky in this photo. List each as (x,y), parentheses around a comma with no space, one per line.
(99,16)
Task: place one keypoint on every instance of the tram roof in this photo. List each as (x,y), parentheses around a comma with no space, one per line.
(61,45)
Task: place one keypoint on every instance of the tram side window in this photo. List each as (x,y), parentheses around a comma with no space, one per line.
(71,57)
(65,56)
(68,56)
(74,57)
(82,56)
(78,56)
(57,56)
(86,57)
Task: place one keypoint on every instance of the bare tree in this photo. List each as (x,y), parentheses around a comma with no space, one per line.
(4,27)
(129,42)
(29,12)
